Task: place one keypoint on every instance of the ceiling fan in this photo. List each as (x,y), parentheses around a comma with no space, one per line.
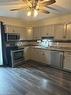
(35,6)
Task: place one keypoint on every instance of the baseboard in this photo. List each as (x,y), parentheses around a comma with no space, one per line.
(47,65)
(36,62)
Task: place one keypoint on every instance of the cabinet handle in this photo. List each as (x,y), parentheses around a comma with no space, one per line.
(47,34)
(64,56)
(69,53)
(43,54)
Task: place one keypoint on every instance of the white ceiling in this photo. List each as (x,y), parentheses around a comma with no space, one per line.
(62,6)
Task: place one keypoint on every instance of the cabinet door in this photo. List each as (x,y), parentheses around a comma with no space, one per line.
(29,33)
(45,56)
(51,32)
(35,54)
(40,55)
(67,60)
(25,33)
(36,33)
(68,35)
(27,53)
(59,31)
(9,29)
(21,31)
(47,31)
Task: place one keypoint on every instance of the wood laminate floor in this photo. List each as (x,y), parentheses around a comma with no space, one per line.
(34,79)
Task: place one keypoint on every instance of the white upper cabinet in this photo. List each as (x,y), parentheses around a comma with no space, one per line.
(9,29)
(59,31)
(67,60)
(47,31)
(17,29)
(68,32)
(36,33)
(29,33)
(43,31)
(22,33)
(25,33)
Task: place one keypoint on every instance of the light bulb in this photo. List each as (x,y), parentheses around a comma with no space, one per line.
(46,0)
(35,13)
(29,13)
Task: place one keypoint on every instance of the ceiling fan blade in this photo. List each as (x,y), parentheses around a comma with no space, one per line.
(44,3)
(44,11)
(51,8)
(16,9)
(36,2)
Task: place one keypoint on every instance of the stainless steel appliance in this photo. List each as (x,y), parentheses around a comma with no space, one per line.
(1,43)
(3,60)
(8,54)
(17,57)
(12,36)
(56,59)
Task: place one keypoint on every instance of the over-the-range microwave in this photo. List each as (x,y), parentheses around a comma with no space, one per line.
(12,36)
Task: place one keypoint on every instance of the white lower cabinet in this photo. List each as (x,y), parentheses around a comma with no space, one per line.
(27,53)
(45,54)
(67,60)
(35,54)
(40,55)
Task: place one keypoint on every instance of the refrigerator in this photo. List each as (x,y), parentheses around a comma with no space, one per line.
(3,59)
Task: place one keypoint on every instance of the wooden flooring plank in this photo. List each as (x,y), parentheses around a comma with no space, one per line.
(34,79)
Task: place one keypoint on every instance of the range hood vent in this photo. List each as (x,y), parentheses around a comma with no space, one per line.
(50,37)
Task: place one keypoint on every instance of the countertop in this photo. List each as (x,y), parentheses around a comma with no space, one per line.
(66,49)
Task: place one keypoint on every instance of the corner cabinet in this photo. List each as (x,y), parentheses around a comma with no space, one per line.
(40,55)
(67,61)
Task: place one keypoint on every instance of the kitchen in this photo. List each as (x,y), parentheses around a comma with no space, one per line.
(37,50)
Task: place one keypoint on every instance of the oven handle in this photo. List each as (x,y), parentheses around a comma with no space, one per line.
(17,50)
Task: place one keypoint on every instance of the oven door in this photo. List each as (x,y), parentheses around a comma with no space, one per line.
(17,57)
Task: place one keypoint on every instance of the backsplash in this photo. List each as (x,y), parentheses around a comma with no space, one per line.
(48,43)
(45,43)
(58,44)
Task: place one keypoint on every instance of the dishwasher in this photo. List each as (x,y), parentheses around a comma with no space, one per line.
(56,59)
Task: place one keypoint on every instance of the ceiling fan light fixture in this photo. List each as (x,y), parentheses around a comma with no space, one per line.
(29,13)
(46,0)
(36,6)
(35,13)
